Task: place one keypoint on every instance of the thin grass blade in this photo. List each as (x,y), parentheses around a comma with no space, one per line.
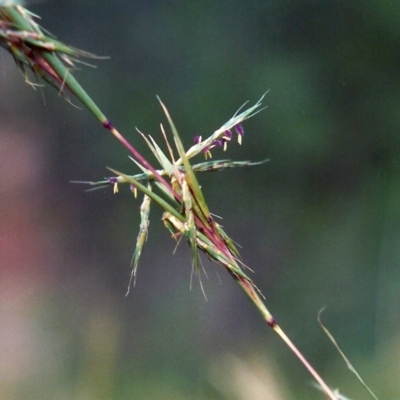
(162,159)
(348,363)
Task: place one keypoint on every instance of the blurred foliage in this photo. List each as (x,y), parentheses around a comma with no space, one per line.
(319,224)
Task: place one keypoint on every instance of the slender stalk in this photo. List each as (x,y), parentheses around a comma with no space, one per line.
(251,292)
(304,361)
(73,85)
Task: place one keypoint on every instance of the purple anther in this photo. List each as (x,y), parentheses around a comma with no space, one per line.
(239,129)
(197,139)
(228,134)
(132,187)
(206,149)
(113,180)
(218,142)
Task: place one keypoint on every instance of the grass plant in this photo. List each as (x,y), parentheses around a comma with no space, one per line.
(173,184)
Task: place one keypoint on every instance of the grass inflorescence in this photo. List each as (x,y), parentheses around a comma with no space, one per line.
(172,185)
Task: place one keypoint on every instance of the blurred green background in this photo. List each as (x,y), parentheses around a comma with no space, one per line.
(319,224)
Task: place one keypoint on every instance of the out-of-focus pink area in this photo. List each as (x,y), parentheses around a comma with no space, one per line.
(22,237)
(28,253)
